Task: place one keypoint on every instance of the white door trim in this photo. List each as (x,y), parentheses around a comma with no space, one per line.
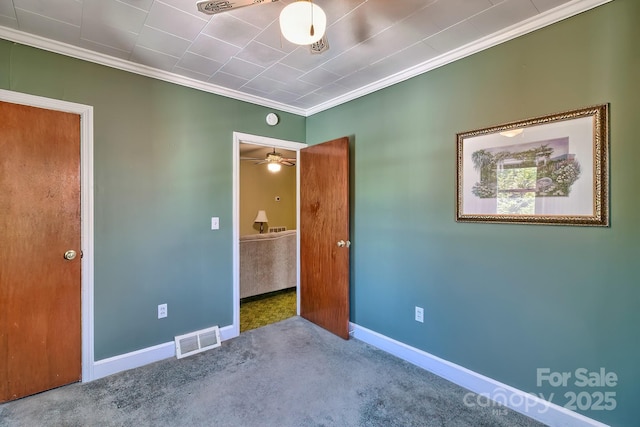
(86,209)
(270,142)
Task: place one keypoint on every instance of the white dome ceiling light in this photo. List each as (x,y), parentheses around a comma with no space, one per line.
(303,22)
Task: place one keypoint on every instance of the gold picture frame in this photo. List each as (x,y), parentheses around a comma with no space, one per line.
(552,169)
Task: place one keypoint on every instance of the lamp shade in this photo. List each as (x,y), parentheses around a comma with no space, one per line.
(297,20)
(261,217)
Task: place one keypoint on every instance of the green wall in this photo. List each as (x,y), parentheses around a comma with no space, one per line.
(501,300)
(163,168)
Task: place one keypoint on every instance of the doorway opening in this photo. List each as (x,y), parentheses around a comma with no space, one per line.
(265,223)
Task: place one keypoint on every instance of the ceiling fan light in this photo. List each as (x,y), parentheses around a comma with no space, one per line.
(274,167)
(296,22)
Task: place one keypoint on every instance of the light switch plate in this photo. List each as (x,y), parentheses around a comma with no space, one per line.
(215,223)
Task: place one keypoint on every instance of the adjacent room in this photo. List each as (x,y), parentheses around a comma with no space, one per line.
(136,138)
(268,235)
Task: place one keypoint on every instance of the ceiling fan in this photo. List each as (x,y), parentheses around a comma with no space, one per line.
(301,22)
(274,161)
(217,6)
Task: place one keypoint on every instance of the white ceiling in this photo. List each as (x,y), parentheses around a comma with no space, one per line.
(240,53)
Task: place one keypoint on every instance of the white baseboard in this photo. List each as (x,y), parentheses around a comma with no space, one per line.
(485,387)
(138,358)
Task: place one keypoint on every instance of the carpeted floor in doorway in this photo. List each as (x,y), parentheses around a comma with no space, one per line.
(288,374)
(266,309)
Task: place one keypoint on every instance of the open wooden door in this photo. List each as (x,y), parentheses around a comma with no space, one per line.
(40,282)
(324,235)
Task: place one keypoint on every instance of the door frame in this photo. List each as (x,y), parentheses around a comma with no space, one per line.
(86,210)
(246,138)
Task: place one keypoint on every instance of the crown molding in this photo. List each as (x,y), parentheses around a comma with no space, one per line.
(542,20)
(537,22)
(143,70)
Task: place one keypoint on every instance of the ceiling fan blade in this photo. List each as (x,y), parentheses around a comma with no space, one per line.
(219,6)
(287,163)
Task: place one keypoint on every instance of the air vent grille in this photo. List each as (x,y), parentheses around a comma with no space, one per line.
(197,342)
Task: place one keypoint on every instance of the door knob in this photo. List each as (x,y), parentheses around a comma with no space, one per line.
(70,254)
(342,243)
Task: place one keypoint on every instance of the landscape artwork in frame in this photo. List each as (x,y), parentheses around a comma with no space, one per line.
(547,170)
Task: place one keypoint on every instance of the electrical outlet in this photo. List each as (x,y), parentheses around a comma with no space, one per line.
(419,314)
(162,311)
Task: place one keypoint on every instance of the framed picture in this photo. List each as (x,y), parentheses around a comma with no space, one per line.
(547,170)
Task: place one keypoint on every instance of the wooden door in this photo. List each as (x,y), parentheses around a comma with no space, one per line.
(40,290)
(324,221)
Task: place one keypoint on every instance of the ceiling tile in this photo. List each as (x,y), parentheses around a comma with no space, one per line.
(242,69)
(414,55)
(312,99)
(199,64)
(301,88)
(503,15)
(162,42)
(260,54)
(98,32)
(117,14)
(357,80)
(331,90)
(271,36)
(259,15)
(107,50)
(255,92)
(336,10)
(450,12)
(189,73)
(320,77)
(232,30)
(404,59)
(389,42)
(174,21)
(140,4)
(349,62)
(153,59)
(544,5)
(422,24)
(49,28)
(264,84)
(68,11)
(302,59)
(355,28)
(282,73)
(6,21)
(283,96)
(188,6)
(454,37)
(394,11)
(227,80)
(213,48)
(7,10)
